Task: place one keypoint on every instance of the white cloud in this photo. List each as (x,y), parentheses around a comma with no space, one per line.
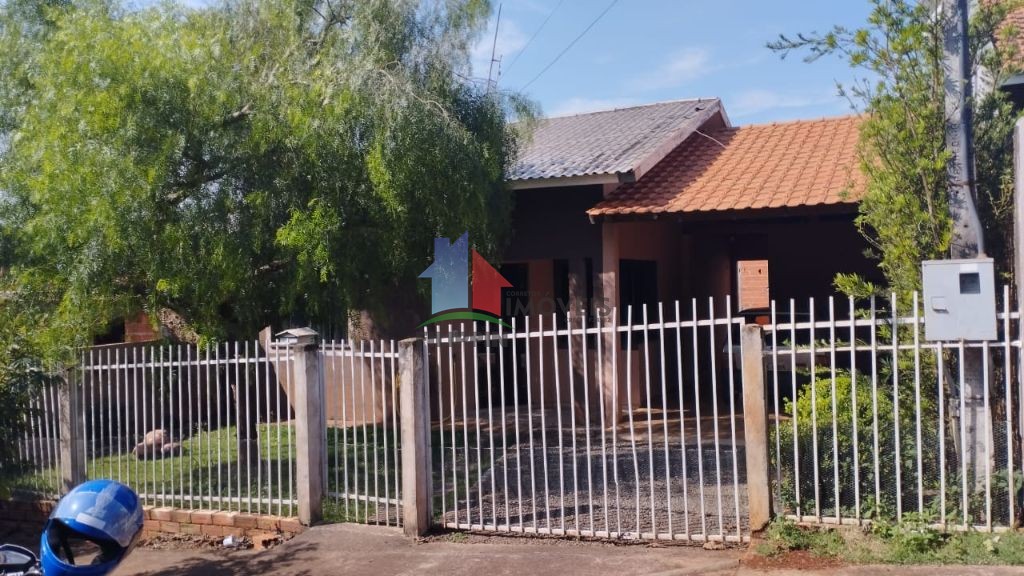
(511,40)
(682,66)
(580,105)
(756,101)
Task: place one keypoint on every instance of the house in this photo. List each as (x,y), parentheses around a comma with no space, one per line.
(667,201)
(670,201)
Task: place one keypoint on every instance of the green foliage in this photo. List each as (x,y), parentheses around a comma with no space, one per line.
(993,142)
(783,536)
(915,541)
(914,535)
(21,374)
(904,214)
(851,403)
(243,164)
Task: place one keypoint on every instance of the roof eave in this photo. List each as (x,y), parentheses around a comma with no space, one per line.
(1012,81)
(570,181)
(845,207)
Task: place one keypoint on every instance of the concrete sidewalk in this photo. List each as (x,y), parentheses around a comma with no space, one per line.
(366,550)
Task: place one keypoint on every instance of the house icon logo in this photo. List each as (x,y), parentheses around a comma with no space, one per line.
(450,284)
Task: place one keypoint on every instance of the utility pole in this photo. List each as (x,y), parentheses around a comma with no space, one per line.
(968,239)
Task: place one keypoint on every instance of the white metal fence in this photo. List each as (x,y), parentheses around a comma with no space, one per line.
(363,444)
(877,429)
(37,450)
(623,426)
(213,427)
(591,428)
(190,426)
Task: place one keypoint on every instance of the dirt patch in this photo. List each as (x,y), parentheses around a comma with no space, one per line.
(181,542)
(795,560)
(199,542)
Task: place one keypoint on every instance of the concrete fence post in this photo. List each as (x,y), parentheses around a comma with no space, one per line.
(72,439)
(310,433)
(415,418)
(755,427)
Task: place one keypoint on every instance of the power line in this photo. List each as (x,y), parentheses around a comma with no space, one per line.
(571,44)
(535,33)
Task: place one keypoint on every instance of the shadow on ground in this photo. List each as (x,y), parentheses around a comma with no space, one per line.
(244,563)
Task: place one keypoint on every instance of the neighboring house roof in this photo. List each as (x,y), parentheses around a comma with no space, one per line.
(783,165)
(609,146)
(1012,30)
(1010,41)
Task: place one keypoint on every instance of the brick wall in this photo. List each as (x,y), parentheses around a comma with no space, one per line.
(25,521)
(214,523)
(139,329)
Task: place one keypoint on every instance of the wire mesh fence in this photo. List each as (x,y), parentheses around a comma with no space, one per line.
(870,421)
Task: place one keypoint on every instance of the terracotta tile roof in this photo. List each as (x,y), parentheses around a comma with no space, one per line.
(620,141)
(1011,39)
(804,163)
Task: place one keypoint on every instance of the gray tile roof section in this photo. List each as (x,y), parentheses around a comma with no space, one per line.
(624,142)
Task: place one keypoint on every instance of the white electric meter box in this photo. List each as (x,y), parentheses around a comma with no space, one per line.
(959,299)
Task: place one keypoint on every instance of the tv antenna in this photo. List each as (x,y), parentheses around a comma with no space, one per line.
(494,45)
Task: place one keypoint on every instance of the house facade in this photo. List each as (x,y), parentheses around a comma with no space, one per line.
(668,201)
(627,208)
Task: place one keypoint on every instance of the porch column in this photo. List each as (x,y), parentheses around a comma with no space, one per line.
(578,306)
(609,285)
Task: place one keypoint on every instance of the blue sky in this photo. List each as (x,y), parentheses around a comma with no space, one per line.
(646,51)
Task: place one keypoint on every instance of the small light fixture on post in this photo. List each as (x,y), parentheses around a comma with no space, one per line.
(298,337)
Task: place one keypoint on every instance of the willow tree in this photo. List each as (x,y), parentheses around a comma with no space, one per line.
(241,164)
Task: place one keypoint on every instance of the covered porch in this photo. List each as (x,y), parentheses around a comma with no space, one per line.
(726,222)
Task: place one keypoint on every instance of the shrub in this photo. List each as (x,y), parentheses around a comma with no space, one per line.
(854,404)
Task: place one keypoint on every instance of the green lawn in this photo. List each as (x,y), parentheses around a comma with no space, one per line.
(207,474)
(361,462)
(360,475)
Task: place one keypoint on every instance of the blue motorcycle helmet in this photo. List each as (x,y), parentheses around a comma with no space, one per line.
(104,515)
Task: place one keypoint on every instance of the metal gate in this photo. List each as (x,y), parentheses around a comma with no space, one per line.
(363,439)
(623,426)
